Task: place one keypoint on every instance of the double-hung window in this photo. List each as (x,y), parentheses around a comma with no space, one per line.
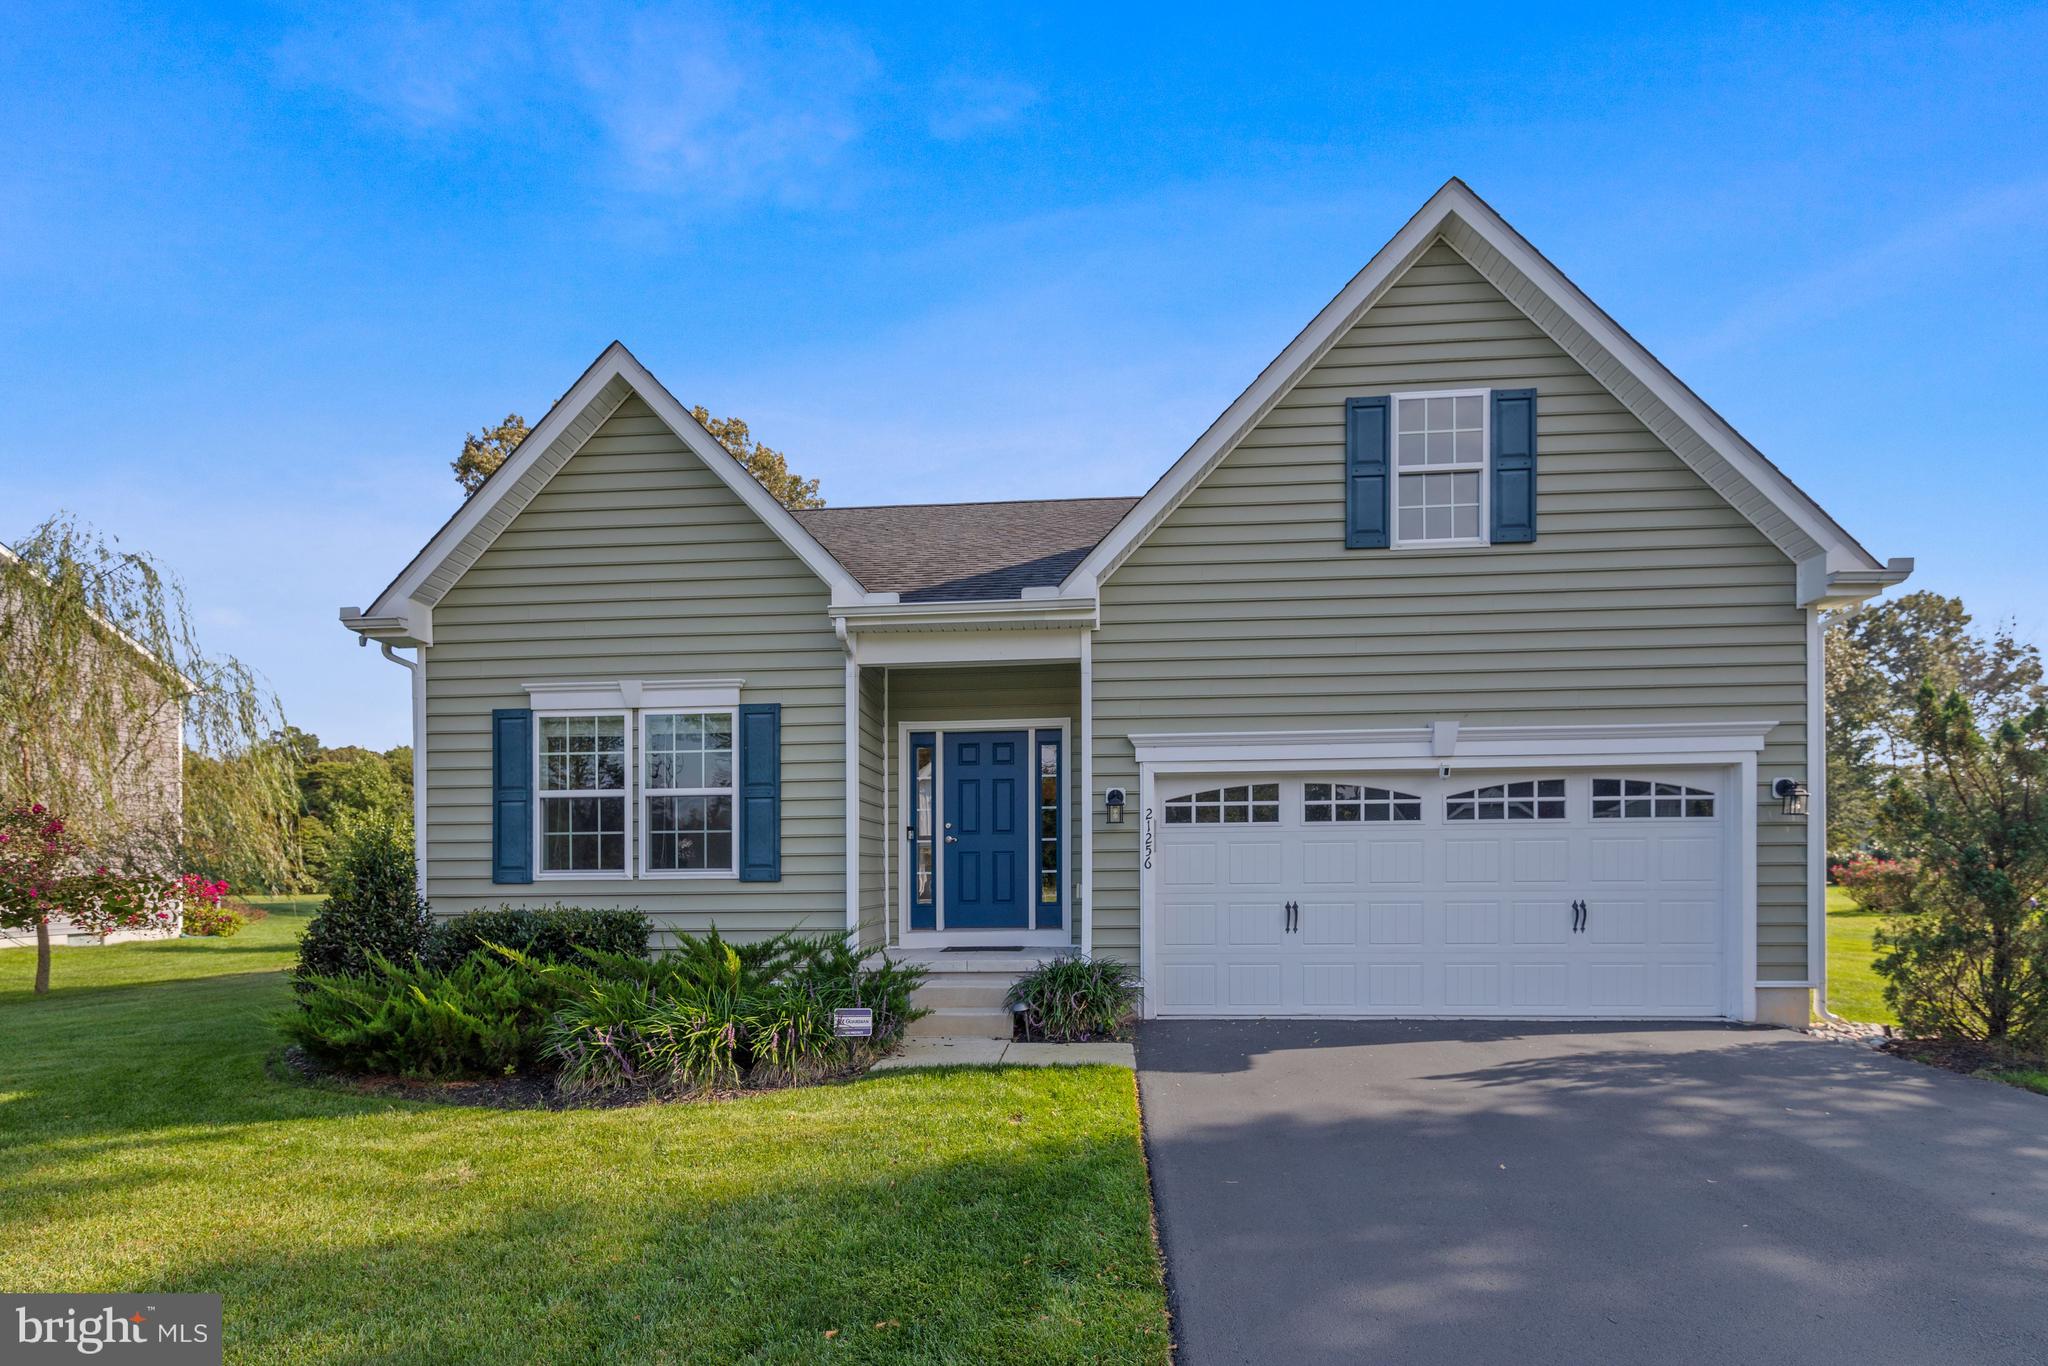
(1440,484)
(582,780)
(688,793)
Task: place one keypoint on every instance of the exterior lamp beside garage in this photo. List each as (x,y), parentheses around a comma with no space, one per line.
(1791,794)
(1113,806)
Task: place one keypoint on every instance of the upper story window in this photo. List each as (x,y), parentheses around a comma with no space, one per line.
(1643,799)
(1253,803)
(1539,800)
(1345,803)
(1440,443)
(688,793)
(582,780)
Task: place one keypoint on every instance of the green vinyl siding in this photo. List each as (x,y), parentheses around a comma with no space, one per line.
(1645,597)
(875,820)
(634,561)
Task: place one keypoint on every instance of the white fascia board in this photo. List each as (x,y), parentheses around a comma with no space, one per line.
(1456,203)
(1830,590)
(1421,746)
(608,694)
(1005,614)
(616,362)
(902,648)
(411,624)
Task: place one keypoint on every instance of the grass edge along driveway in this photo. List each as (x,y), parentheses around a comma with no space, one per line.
(981,1215)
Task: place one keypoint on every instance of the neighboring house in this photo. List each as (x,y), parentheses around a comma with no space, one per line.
(1450,672)
(148,778)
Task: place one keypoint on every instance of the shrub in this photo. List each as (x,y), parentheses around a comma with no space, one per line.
(714,1014)
(1069,1000)
(550,934)
(1971,959)
(373,909)
(205,911)
(487,1016)
(1883,885)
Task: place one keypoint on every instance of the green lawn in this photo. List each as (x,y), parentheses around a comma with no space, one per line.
(1855,991)
(966,1215)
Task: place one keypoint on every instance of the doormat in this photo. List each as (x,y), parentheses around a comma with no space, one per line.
(983,948)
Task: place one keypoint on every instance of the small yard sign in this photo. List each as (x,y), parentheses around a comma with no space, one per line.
(853,1024)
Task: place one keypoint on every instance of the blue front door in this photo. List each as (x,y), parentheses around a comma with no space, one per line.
(987,814)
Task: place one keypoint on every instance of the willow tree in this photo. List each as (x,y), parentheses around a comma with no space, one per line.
(154,752)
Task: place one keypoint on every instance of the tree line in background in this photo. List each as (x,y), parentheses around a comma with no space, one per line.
(483,452)
(1937,761)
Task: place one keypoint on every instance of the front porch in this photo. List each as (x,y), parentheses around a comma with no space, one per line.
(972,809)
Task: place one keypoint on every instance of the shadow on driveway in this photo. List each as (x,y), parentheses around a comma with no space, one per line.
(1459,1191)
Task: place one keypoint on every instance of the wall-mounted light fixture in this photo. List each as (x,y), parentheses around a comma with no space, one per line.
(1791,795)
(1113,806)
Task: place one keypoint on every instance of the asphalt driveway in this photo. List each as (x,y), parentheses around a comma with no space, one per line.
(1473,1193)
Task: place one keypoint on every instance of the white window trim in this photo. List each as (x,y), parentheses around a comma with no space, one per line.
(541,797)
(1485,469)
(647,868)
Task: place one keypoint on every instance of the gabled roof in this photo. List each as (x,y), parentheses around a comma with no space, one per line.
(1700,436)
(957,552)
(611,379)
(966,552)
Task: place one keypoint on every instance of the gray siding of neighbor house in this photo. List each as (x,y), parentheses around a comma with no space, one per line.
(636,562)
(1646,596)
(992,692)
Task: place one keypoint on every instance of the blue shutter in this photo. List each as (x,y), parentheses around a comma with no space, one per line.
(1514,465)
(511,795)
(761,792)
(1366,479)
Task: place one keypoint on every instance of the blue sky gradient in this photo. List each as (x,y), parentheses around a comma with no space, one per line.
(261,267)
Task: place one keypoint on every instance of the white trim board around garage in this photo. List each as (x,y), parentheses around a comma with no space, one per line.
(1444,750)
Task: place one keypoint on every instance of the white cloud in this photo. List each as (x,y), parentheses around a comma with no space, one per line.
(963,104)
(1873,271)
(686,100)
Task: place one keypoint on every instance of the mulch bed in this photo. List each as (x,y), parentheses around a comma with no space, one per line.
(521,1091)
(1961,1055)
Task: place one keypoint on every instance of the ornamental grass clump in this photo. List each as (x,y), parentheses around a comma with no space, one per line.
(1073,1000)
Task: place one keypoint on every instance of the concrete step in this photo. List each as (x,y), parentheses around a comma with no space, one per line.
(967,992)
(955,1022)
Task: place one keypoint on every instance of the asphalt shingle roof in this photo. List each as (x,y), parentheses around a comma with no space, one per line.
(954,552)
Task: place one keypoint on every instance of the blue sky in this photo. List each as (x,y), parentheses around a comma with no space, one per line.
(261,267)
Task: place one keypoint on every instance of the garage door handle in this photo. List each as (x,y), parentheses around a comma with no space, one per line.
(1579,913)
(1290,923)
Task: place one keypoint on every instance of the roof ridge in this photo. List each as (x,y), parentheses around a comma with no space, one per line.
(972,503)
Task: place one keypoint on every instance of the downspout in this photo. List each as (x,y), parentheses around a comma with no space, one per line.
(417,667)
(1817,815)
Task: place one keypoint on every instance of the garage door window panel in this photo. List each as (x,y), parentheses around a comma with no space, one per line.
(1540,799)
(1356,803)
(1648,799)
(1245,804)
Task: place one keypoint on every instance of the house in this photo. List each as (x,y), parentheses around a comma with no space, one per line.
(143,768)
(1467,665)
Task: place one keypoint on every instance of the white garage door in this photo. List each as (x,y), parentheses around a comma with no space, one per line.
(1600,892)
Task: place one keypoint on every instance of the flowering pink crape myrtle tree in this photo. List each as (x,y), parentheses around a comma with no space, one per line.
(45,872)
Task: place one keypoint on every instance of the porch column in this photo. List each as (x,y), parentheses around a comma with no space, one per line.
(1086,894)
(852,793)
